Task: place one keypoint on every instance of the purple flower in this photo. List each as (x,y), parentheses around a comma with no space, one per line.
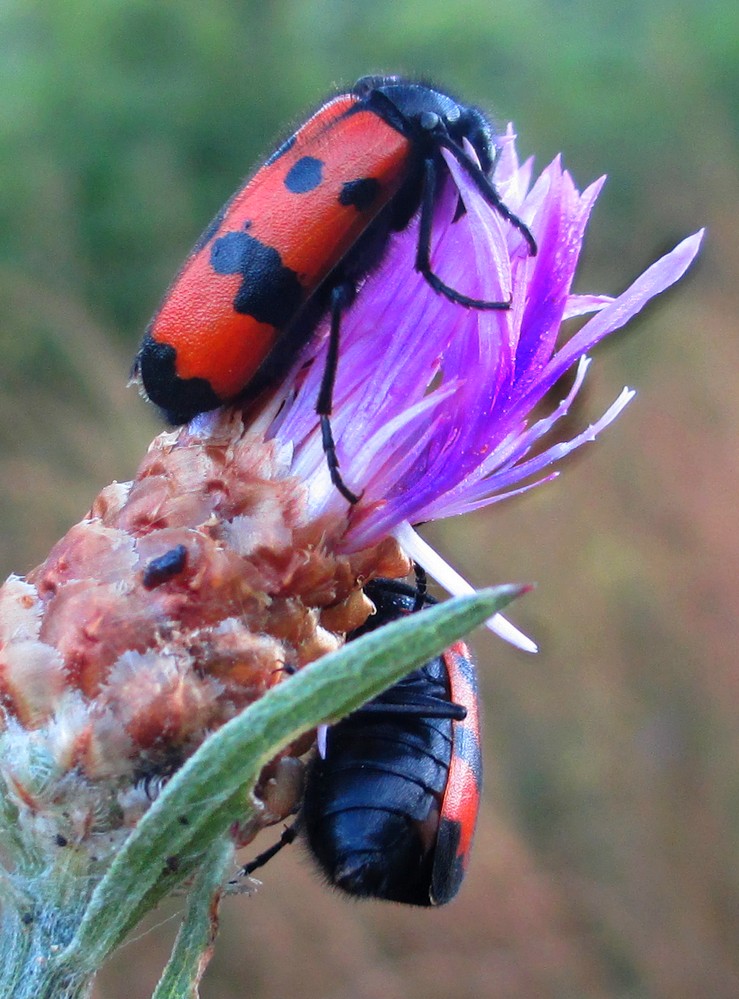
(433,402)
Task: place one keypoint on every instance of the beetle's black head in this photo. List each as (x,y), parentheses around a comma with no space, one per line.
(419,111)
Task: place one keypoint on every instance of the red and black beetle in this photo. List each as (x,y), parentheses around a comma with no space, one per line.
(294,241)
(389,811)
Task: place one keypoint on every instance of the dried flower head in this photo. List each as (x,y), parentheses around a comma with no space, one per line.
(176,602)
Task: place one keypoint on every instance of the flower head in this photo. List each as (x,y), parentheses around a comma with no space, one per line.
(433,401)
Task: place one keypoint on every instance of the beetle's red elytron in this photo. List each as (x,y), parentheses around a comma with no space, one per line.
(390,810)
(293,242)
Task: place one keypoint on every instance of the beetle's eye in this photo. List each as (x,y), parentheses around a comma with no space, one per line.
(429,120)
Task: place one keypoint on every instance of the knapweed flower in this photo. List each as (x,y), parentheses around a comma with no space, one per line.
(231,560)
(433,403)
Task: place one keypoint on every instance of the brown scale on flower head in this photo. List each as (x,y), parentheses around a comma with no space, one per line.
(180,599)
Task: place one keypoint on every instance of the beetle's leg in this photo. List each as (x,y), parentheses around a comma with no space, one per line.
(342,297)
(289,834)
(423,250)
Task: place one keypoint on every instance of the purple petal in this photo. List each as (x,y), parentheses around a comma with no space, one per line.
(656,279)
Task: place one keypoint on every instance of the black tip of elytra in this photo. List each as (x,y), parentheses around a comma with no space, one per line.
(178,399)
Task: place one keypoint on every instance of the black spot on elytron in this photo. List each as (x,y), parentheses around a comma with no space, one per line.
(360,194)
(270,292)
(281,150)
(159,570)
(178,398)
(305,175)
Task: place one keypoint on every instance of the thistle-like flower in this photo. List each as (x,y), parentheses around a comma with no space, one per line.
(231,560)
(433,403)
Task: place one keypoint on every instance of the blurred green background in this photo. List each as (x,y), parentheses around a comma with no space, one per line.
(606,859)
